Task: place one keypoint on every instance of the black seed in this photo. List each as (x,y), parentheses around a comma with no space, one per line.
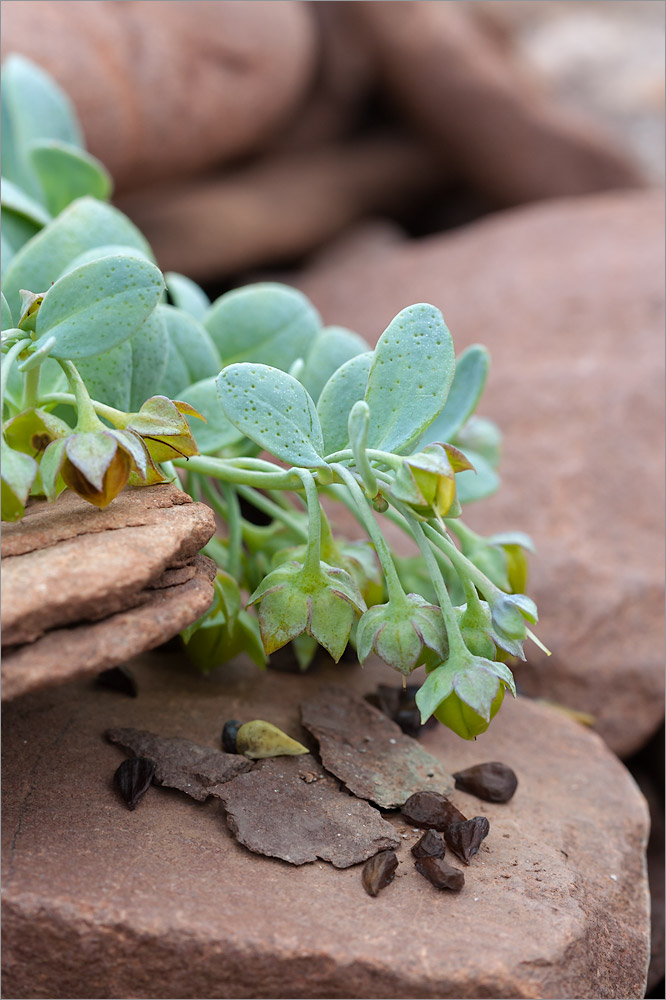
(492,782)
(133,779)
(431,845)
(431,810)
(379,871)
(229,734)
(441,874)
(119,679)
(465,838)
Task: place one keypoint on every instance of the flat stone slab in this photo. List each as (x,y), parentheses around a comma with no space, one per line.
(103,902)
(369,752)
(568,296)
(191,768)
(67,562)
(290,808)
(81,650)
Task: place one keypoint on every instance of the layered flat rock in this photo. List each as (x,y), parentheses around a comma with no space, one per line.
(69,562)
(569,298)
(290,808)
(367,751)
(84,649)
(191,768)
(100,901)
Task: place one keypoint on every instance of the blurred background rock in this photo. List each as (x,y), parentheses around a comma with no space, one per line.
(503,159)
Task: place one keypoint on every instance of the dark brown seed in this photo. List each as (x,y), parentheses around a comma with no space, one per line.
(431,810)
(441,874)
(431,845)
(492,782)
(465,838)
(229,734)
(379,871)
(133,779)
(119,679)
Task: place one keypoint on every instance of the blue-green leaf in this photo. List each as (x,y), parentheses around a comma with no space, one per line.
(16,200)
(33,107)
(344,388)
(466,389)
(186,295)
(107,250)
(150,347)
(479,484)
(66,173)
(273,410)
(84,225)
(192,354)
(332,347)
(217,433)
(267,323)
(108,376)
(410,377)
(98,305)
(16,231)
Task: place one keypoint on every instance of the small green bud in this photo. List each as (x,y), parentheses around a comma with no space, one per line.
(401,632)
(426,481)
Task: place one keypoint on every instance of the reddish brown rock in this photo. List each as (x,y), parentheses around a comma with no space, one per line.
(486,119)
(182,85)
(568,296)
(84,649)
(163,902)
(74,572)
(369,752)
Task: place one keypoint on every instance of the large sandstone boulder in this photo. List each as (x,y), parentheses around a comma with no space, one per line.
(569,298)
(167,89)
(99,901)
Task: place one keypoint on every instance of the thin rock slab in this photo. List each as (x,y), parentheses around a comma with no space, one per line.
(197,770)
(367,751)
(290,808)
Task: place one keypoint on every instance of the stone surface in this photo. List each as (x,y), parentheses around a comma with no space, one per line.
(290,808)
(101,902)
(82,650)
(70,574)
(182,85)
(191,768)
(367,751)
(568,296)
(488,121)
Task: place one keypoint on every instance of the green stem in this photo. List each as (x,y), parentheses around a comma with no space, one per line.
(31,387)
(228,470)
(274,510)
(456,642)
(463,532)
(8,360)
(253,534)
(385,457)
(115,417)
(363,514)
(87,419)
(462,564)
(235,530)
(311,567)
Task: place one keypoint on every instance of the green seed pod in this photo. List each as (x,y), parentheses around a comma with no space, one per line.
(258,739)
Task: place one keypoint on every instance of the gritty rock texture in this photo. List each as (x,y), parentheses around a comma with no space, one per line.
(248,65)
(191,768)
(369,752)
(290,808)
(568,296)
(84,649)
(100,901)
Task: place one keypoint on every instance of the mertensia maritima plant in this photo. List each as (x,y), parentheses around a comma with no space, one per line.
(116,374)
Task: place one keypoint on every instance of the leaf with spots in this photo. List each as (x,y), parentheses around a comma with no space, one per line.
(410,377)
(344,388)
(466,388)
(273,410)
(98,305)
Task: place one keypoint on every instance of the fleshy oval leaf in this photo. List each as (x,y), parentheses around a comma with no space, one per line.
(466,389)
(66,173)
(344,388)
(273,410)
(410,377)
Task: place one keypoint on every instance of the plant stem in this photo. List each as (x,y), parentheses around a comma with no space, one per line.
(385,457)
(463,565)
(273,509)
(31,387)
(235,530)
(108,412)
(364,515)
(87,419)
(311,567)
(8,361)
(228,469)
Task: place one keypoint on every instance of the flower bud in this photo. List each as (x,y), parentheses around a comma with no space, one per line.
(18,475)
(401,632)
(162,425)
(426,481)
(465,693)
